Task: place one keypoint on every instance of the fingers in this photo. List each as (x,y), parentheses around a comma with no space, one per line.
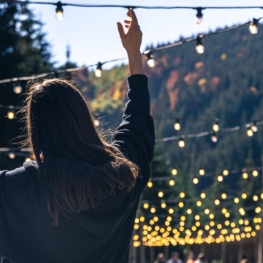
(121,30)
(134,18)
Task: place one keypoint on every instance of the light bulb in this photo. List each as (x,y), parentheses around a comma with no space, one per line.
(254,127)
(199,46)
(174,171)
(255,173)
(249,132)
(10,115)
(59,11)
(201,171)
(98,70)
(150,59)
(150,184)
(220,178)
(96,122)
(195,180)
(214,137)
(17,88)
(160,194)
(199,16)
(11,155)
(181,142)
(253,27)
(216,126)
(177,125)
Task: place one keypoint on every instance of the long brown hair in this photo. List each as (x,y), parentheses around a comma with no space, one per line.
(79,167)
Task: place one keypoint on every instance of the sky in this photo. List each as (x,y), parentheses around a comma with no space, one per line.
(92,33)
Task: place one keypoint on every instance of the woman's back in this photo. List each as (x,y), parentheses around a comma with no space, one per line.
(58,213)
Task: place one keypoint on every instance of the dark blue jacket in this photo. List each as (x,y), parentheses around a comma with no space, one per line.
(100,235)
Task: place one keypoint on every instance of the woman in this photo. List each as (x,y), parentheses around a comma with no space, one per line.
(78,200)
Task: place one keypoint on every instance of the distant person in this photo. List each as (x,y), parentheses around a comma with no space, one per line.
(191,258)
(200,258)
(244,259)
(77,201)
(160,258)
(175,258)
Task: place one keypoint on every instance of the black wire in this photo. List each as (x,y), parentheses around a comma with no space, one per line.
(138,6)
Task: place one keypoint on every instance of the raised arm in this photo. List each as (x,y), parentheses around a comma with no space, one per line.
(132,43)
(135,135)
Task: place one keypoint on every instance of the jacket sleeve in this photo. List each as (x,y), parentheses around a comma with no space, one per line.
(135,135)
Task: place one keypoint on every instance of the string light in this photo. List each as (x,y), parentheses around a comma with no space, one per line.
(249,132)
(149,59)
(195,180)
(10,114)
(225,172)
(201,171)
(215,126)
(11,155)
(150,184)
(245,175)
(254,127)
(220,178)
(17,88)
(177,125)
(181,142)
(253,27)
(255,173)
(214,137)
(199,46)
(59,11)
(174,171)
(96,122)
(199,15)
(98,71)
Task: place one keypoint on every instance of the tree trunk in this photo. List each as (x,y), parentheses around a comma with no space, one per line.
(223,252)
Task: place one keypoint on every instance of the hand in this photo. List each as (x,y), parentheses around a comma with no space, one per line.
(132,40)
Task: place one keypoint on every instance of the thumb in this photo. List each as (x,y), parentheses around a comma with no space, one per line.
(121,30)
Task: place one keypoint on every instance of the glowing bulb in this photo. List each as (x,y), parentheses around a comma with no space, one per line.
(214,137)
(255,198)
(171,211)
(177,125)
(181,142)
(220,178)
(98,71)
(59,11)
(199,46)
(150,184)
(163,205)
(181,204)
(27,159)
(198,203)
(189,211)
(254,127)
(201,171)
(17,88)
(203,195)
(153,210)
(150,60)
(195,180)
(174,171)
(245,175)
(258,209)
(216,126)
(199,16)
(253,27)
(145,205)
(236,200)
(255,173)
(160,194)
(171,182)
(11,155)
(249,132)
(96,122)
(182,195)
(244,195)
(217,202)
(225,172)
(10,115)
